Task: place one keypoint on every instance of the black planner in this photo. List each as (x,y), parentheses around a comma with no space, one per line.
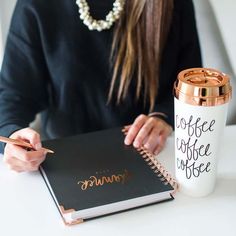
(96,174)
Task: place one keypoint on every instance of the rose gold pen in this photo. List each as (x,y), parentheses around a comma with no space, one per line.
(21,143)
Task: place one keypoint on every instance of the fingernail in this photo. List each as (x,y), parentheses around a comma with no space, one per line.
(45,152)
(38,146)
(147,145)
(156,152)
(136,144)
(127,141)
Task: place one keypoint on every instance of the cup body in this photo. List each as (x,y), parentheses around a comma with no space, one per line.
(200,117)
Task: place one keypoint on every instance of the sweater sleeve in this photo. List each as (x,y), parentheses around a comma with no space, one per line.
(189,55)
(24,75)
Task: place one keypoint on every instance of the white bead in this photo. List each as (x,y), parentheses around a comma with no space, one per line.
(86,21)
(105,24)
(99,25)
(90,27)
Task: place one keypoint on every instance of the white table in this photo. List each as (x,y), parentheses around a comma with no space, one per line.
(26,207)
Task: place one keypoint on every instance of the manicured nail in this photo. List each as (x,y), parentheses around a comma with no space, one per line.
(156,152)
(38,146)
(45,152)
(136,144)
(127,141)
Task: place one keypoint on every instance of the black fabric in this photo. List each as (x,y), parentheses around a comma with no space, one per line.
(54,65)
(83,160)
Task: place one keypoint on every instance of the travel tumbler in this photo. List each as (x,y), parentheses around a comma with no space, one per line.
(201,101)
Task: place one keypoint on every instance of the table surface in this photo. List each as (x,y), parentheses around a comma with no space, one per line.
(26,207)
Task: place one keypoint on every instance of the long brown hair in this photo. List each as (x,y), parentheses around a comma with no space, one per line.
(138,42)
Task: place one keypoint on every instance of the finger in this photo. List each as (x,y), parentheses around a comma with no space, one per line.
(162,131)
(126,129)
(30,135)
(24,155)
(153,139)
(134,129)
(161,144)
(143,133)
(167,129)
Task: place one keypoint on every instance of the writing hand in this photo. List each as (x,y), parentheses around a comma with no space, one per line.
(18,158)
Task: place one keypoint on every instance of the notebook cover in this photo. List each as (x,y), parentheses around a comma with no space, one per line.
(97,168)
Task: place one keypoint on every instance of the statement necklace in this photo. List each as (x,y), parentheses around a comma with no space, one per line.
(100,25)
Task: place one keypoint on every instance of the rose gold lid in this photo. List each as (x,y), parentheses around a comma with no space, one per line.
(202,87)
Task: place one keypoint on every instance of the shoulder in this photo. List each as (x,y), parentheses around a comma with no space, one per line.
(30,3)
(36,21)
(42,11)
(28,17)
(27,8)
(49,7)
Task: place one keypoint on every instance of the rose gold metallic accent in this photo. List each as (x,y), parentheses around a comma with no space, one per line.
(94,181)
(157,167)
(64,211)
(20,143)
(74,222)
(203,87)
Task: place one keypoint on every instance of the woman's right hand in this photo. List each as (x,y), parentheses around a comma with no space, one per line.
(18,158)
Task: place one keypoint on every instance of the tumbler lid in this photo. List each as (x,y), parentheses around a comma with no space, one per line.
(202,87)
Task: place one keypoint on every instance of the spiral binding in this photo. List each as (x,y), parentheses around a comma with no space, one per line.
(156,166)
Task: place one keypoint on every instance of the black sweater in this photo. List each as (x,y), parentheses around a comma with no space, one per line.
(54,65)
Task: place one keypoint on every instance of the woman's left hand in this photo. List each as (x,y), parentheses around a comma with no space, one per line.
(149,132)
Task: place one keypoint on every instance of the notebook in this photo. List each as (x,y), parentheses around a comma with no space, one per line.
(96,174)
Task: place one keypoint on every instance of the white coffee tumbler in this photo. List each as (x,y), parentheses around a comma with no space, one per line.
(201,100)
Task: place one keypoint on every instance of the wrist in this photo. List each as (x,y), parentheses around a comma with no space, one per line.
(160,115)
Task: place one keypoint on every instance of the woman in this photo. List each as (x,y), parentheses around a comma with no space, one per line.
(84,75)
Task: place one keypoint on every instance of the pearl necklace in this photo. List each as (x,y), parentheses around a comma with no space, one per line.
(100,25)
